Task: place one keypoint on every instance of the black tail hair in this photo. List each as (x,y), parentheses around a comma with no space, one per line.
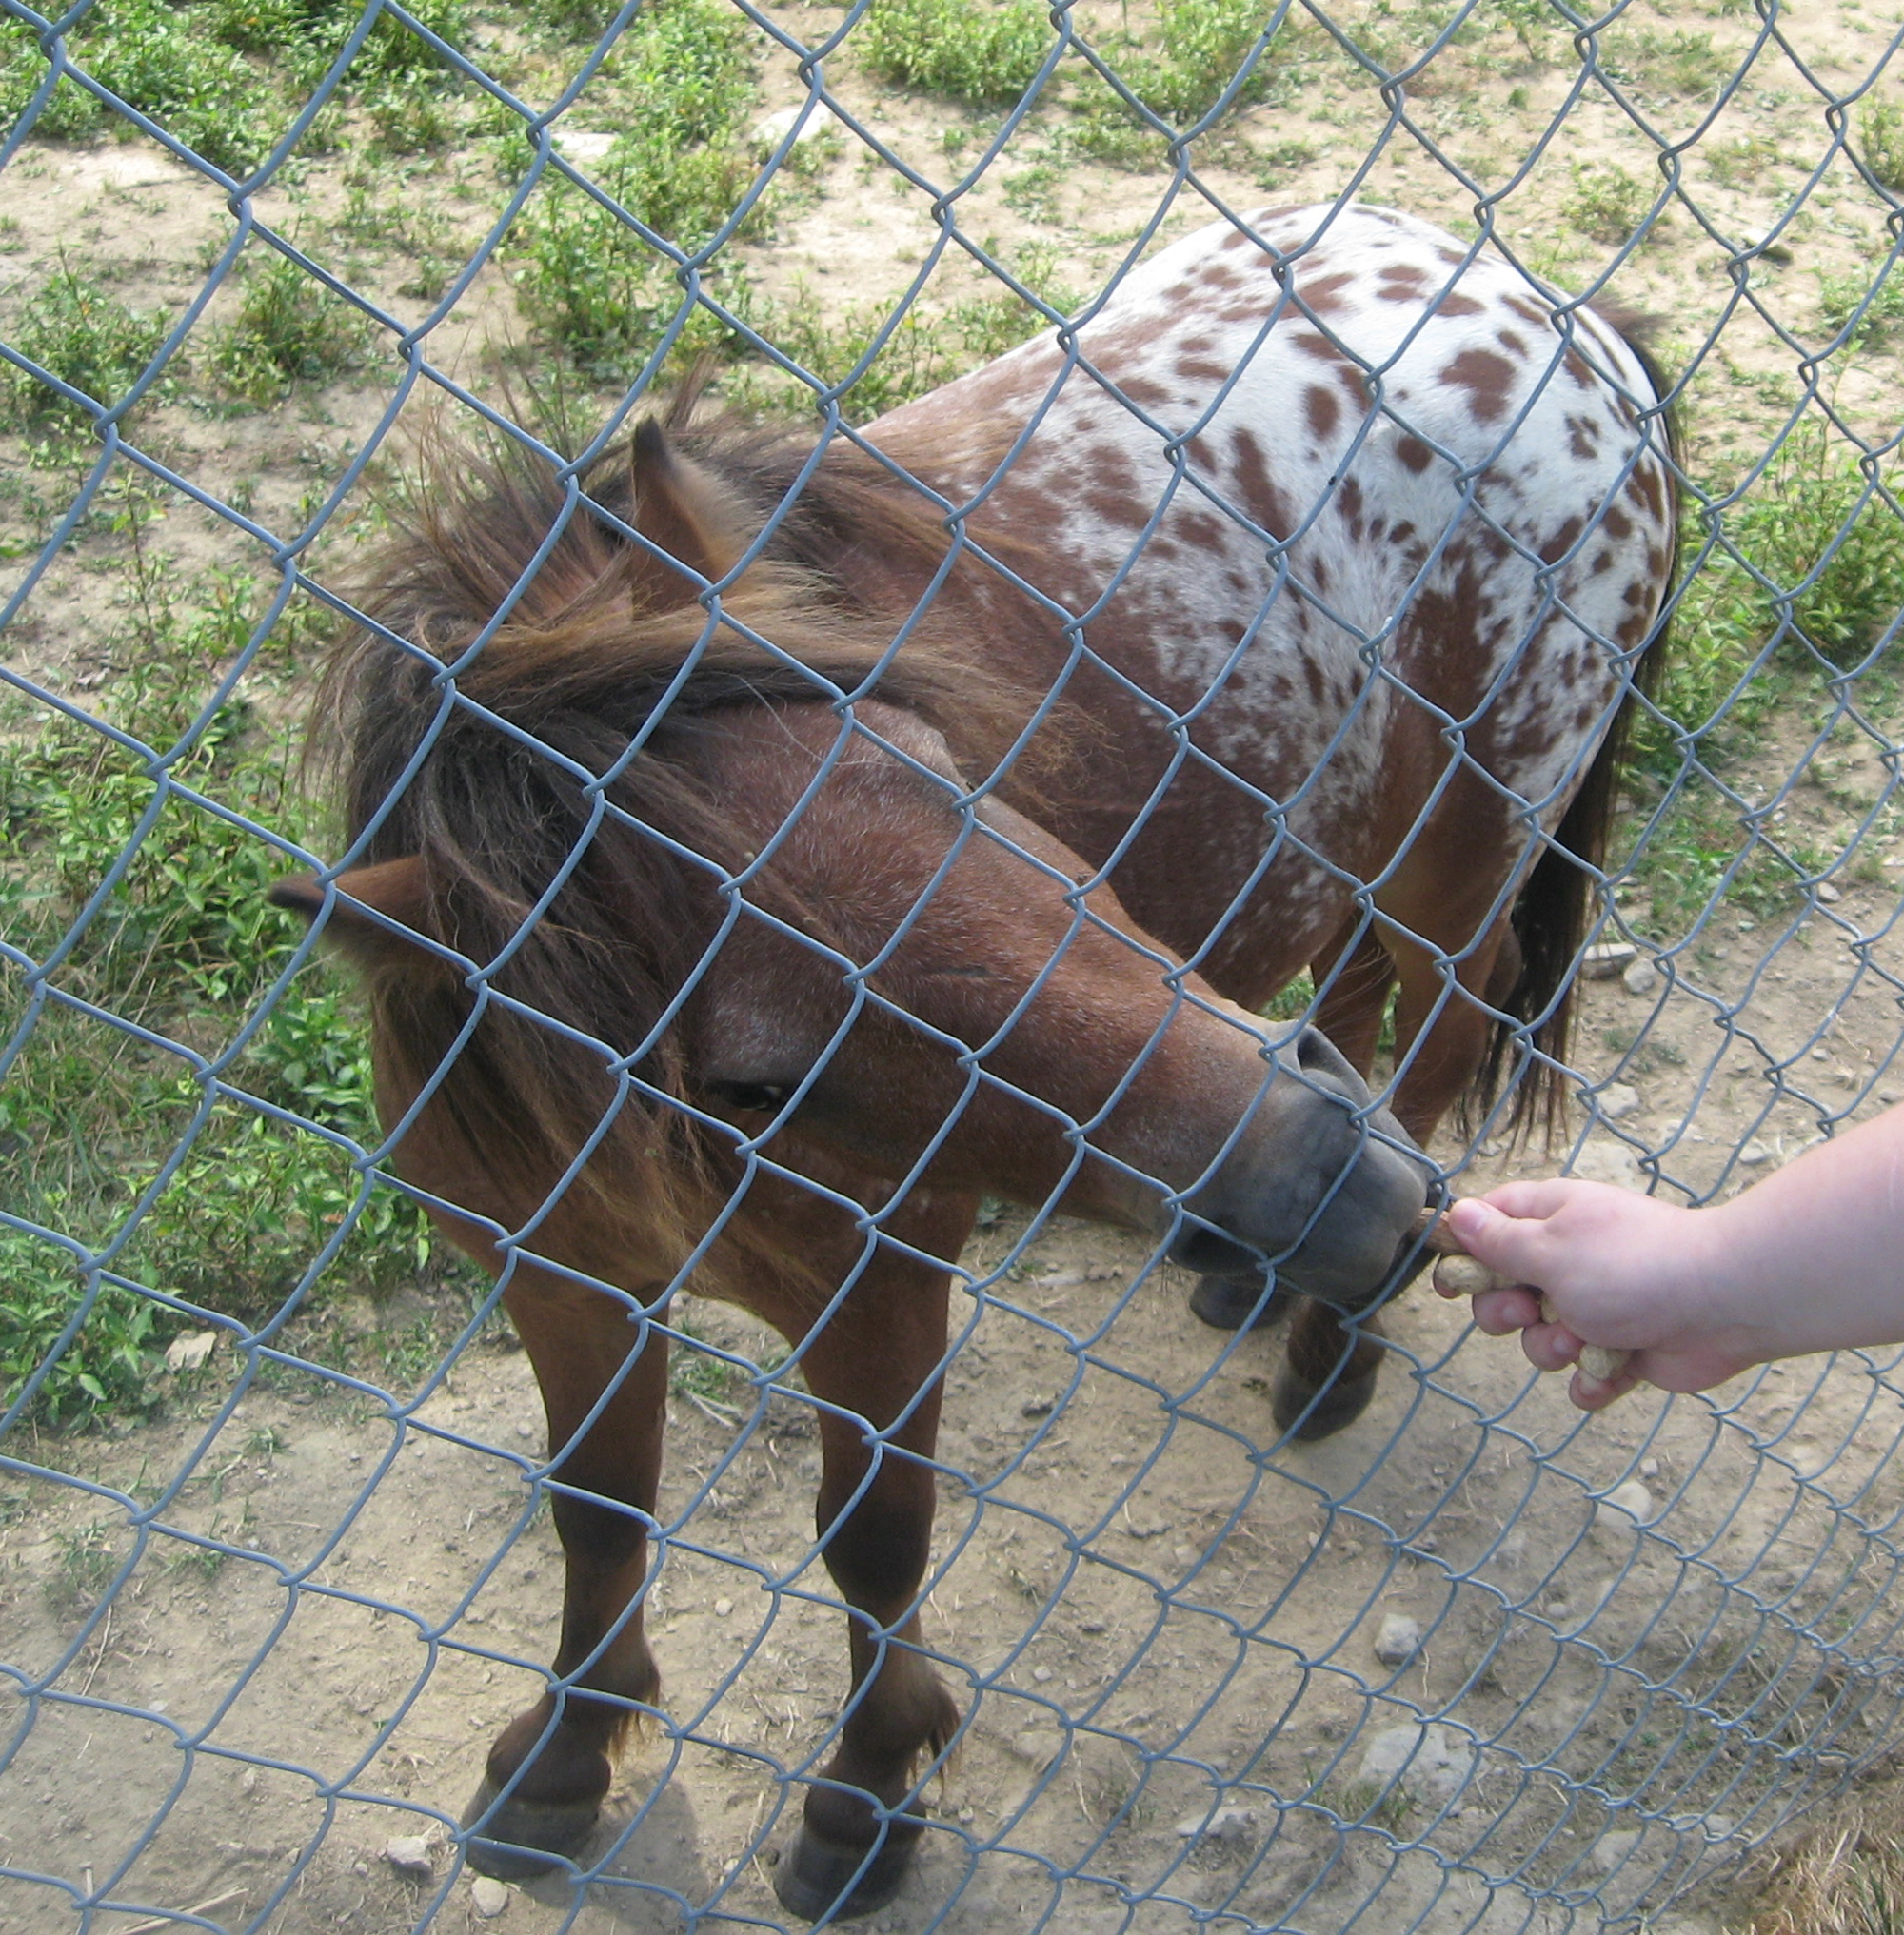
(1554,909)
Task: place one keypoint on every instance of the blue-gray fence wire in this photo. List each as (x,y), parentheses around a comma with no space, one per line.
(277,1562)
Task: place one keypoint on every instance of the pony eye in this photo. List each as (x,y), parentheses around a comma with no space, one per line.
(763,1097)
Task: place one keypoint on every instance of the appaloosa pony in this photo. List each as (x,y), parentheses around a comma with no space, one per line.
(751,863)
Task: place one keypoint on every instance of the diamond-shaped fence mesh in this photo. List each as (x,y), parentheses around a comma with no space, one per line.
(772,775)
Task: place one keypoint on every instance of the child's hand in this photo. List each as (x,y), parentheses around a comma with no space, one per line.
(1620,1269)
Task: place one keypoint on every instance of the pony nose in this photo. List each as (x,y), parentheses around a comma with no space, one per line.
(1319,1061)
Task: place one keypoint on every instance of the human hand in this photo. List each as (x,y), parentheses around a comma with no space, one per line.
(1619,1270)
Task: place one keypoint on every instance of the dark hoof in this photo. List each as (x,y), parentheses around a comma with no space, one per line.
(524,1839)
(1299,1412)
(1228,1303)
(815,1876)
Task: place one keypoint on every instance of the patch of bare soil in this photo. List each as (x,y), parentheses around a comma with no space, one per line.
(1643,1639)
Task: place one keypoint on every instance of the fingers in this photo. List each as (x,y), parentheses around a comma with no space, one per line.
(1595,1393)
(1500,1313)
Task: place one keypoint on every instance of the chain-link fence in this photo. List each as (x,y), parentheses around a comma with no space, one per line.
(279,1558)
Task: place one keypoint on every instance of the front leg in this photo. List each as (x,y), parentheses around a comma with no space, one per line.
(879,1354)
(550,1769)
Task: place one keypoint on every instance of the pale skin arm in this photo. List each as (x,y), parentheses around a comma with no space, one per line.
(1810,1259)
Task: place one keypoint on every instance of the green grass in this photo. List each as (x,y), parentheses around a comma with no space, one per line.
(1878,138)
(682,80)
(1179,73)
(1607,202)
(1813,561)
(927,349)
(225,77)
(87,338)
(186,948)
(1810,554)
(1880,293)
(983,52)
(1672,60)
(288,328)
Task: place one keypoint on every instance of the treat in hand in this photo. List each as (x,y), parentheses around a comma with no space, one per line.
(1456,1273)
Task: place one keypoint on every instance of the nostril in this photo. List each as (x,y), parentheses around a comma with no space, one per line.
(1319,1058)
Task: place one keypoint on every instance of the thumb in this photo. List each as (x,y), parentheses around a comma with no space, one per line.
(1498,1240)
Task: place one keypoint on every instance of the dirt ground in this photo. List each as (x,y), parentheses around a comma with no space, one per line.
(1162,1623)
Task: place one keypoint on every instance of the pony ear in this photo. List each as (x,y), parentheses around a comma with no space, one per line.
(395,889)
(679,508)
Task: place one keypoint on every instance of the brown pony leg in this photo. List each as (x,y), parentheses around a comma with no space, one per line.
(1439,1060)
(1353,976)
(878,1354)
(550,1769)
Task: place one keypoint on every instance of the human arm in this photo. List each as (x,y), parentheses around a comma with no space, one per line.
(1812,1258)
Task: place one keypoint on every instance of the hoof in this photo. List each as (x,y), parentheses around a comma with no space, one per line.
(815,1875)
(1229,1303)
(1300,1412)
(524,1839)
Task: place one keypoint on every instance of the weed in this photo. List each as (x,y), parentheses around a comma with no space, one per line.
(86,337)
(986,52)
(1033,192)
(1275,164)
(1738,163)
(1200,51)
(154,57)
(106,1366)
(923,350)
(1607,202)
(183,948)
(1880,143)
(1841,297)
(200,1562)
(693,1373)
(1830,541)
(87,1564)
(1204,46)
(288,328)
(410,117)
(307,35)
(1676,60)
(680,166)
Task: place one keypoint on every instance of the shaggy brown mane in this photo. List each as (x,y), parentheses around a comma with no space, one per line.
(605,663)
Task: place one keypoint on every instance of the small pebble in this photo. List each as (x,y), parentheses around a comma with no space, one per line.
(1398,1641)
(1041,1675)
(1649,1468)
(1829,894)
(526,1431)
(489,1898)
(1605,959)
(1034,1407)
(1640,978)
(1225,1824)
(1617,1101)
(1625,1504)
(722,1608)
(409,1855)
(1755,1154)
